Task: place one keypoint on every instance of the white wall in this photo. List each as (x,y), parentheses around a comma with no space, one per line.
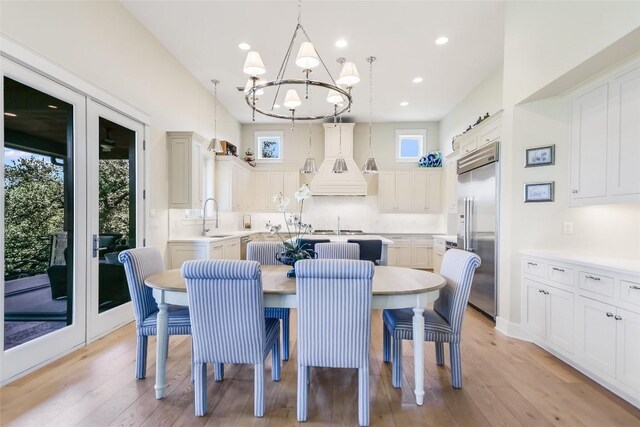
(484,98)
(543,42)
(102,43)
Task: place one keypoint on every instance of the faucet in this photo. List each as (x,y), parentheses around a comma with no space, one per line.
(338,230)
(205,230)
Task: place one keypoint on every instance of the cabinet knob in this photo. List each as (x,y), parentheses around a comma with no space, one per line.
(609,314)
(634,287)
(574,191)
(561,270)
(541,291)
(597,279)
(618,317)
(532,263)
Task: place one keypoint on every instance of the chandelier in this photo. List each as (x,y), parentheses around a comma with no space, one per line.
(339,99)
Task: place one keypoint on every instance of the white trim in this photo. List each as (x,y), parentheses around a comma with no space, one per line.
(262,134)
(513,330)
(404,133)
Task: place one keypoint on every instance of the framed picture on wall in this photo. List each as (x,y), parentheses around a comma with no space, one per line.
(538,192)
(269,146)
(540,156)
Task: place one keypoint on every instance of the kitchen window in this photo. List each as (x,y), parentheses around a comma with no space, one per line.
(410,144)
(269,146)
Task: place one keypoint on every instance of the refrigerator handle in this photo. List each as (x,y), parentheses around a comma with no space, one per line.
(465,235)
(468,223)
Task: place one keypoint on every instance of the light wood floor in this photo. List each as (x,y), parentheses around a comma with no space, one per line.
(506,382)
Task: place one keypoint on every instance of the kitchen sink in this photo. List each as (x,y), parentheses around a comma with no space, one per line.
(217,236)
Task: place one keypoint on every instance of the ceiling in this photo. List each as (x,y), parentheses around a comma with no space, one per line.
(204,37)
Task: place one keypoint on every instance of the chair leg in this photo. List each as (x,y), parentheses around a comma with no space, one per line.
(219,372)
(439,353)
(386,344)
(258,390)
(363,395)
(303,390)
(308,375)
(456,365)
(396,362)
(285,336)
(200,388)
(141,357)
(275,361)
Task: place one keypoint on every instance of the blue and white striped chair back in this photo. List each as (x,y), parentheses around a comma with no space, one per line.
(227,311)
(264,252)
(334,312)
(337,250)
(139,264)
(458,267)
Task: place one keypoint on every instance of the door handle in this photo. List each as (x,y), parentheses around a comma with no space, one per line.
(95,245)
(558,269)
(597,279)
(609,314)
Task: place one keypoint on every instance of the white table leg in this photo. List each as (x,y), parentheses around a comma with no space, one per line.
(418,353)
(161,350)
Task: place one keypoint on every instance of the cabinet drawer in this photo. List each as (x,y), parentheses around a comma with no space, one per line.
(468,146)
(560,274)
(535,268)
(596,283)
(630,292)
(400,240)
(490,134)
(418,240)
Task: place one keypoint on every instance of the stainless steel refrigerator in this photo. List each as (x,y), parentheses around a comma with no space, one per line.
(478,189)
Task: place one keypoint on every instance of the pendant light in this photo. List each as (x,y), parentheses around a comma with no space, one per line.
(370,164)
(309,164)
(340,166)
(215,145)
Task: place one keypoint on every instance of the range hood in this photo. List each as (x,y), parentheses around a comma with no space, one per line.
(327,183)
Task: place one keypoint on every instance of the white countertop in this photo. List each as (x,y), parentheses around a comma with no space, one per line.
(344,238)
(623,265)
(214,237)
(447,237)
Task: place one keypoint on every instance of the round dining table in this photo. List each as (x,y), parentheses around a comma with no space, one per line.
(393,287)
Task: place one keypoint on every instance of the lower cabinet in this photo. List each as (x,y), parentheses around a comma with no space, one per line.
(178,253)
(550,314)
(410,251)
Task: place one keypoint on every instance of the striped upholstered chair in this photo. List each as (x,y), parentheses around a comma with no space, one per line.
(339,290)
(224,334)
(442,324)
(338,250)
(139,264)
(265,254)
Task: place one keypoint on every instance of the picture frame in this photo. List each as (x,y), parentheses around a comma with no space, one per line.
(539,192)
(540,156)
(269,146)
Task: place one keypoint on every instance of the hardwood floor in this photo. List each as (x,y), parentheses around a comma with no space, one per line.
(507,382)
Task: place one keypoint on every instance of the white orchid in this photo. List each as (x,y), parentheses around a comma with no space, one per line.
(303,193)
(293,222)
(283,204)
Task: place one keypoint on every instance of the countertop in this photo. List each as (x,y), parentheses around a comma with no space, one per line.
(622,265)
(334,238)
(447,237)
(228,235)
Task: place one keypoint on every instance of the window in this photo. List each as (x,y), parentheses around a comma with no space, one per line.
(269,146)
(410,144)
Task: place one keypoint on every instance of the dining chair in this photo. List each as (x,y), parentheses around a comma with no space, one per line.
(334,323)
(265,254)
(139,264)
(228,323)
(310,244)
(338,250)
(370,250)
(442,324)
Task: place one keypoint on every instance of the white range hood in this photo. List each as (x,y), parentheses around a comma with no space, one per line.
(327,183)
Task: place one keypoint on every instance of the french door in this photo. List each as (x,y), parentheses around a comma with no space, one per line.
(73,199)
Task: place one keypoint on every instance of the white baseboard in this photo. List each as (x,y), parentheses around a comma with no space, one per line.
(511,329)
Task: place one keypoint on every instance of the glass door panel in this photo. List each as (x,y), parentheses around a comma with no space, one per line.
(44,299)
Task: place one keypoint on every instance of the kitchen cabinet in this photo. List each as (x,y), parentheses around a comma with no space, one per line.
(179,252)
(267,184)
(451,185)
(410,191)
(191,170)
(605,154)
(487,131)
(422,254)
(439,248)
(410,251)
(234,181)
(550,314)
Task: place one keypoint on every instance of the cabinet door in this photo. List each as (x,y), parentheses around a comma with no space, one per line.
(217,251)
(276,186)
(624,134)
(180,173)
(260,195)
(404,256)
(596,335)
(387,191)
(290,184)
(236,187)
(197,178)
(179,253)
(434,193)
(420,191)
(536,308)
(560,318)
(231,249)
(589,144)
(452,186)
(392,255)
(628,348)
(404,191)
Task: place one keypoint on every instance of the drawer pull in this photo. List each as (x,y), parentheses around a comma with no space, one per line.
(618,317)
(597,279)
(532,263)
(561,270)
(541,291)
(609,314)
(634,287)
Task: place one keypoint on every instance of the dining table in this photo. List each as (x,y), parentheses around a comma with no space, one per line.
(393,287)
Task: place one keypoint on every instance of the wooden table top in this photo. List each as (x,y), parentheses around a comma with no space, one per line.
(386,281)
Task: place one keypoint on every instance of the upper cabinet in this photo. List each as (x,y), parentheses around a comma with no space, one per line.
(234,181)
(487,131)
(191,170)
(451,184)
(605,140)
(410,191)
(267,184)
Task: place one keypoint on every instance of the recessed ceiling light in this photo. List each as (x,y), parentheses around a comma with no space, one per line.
(10,114)
(341,43)
(54,107)
(276,105)
(442,40)
(404,103)
(418,80)
(244,46)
